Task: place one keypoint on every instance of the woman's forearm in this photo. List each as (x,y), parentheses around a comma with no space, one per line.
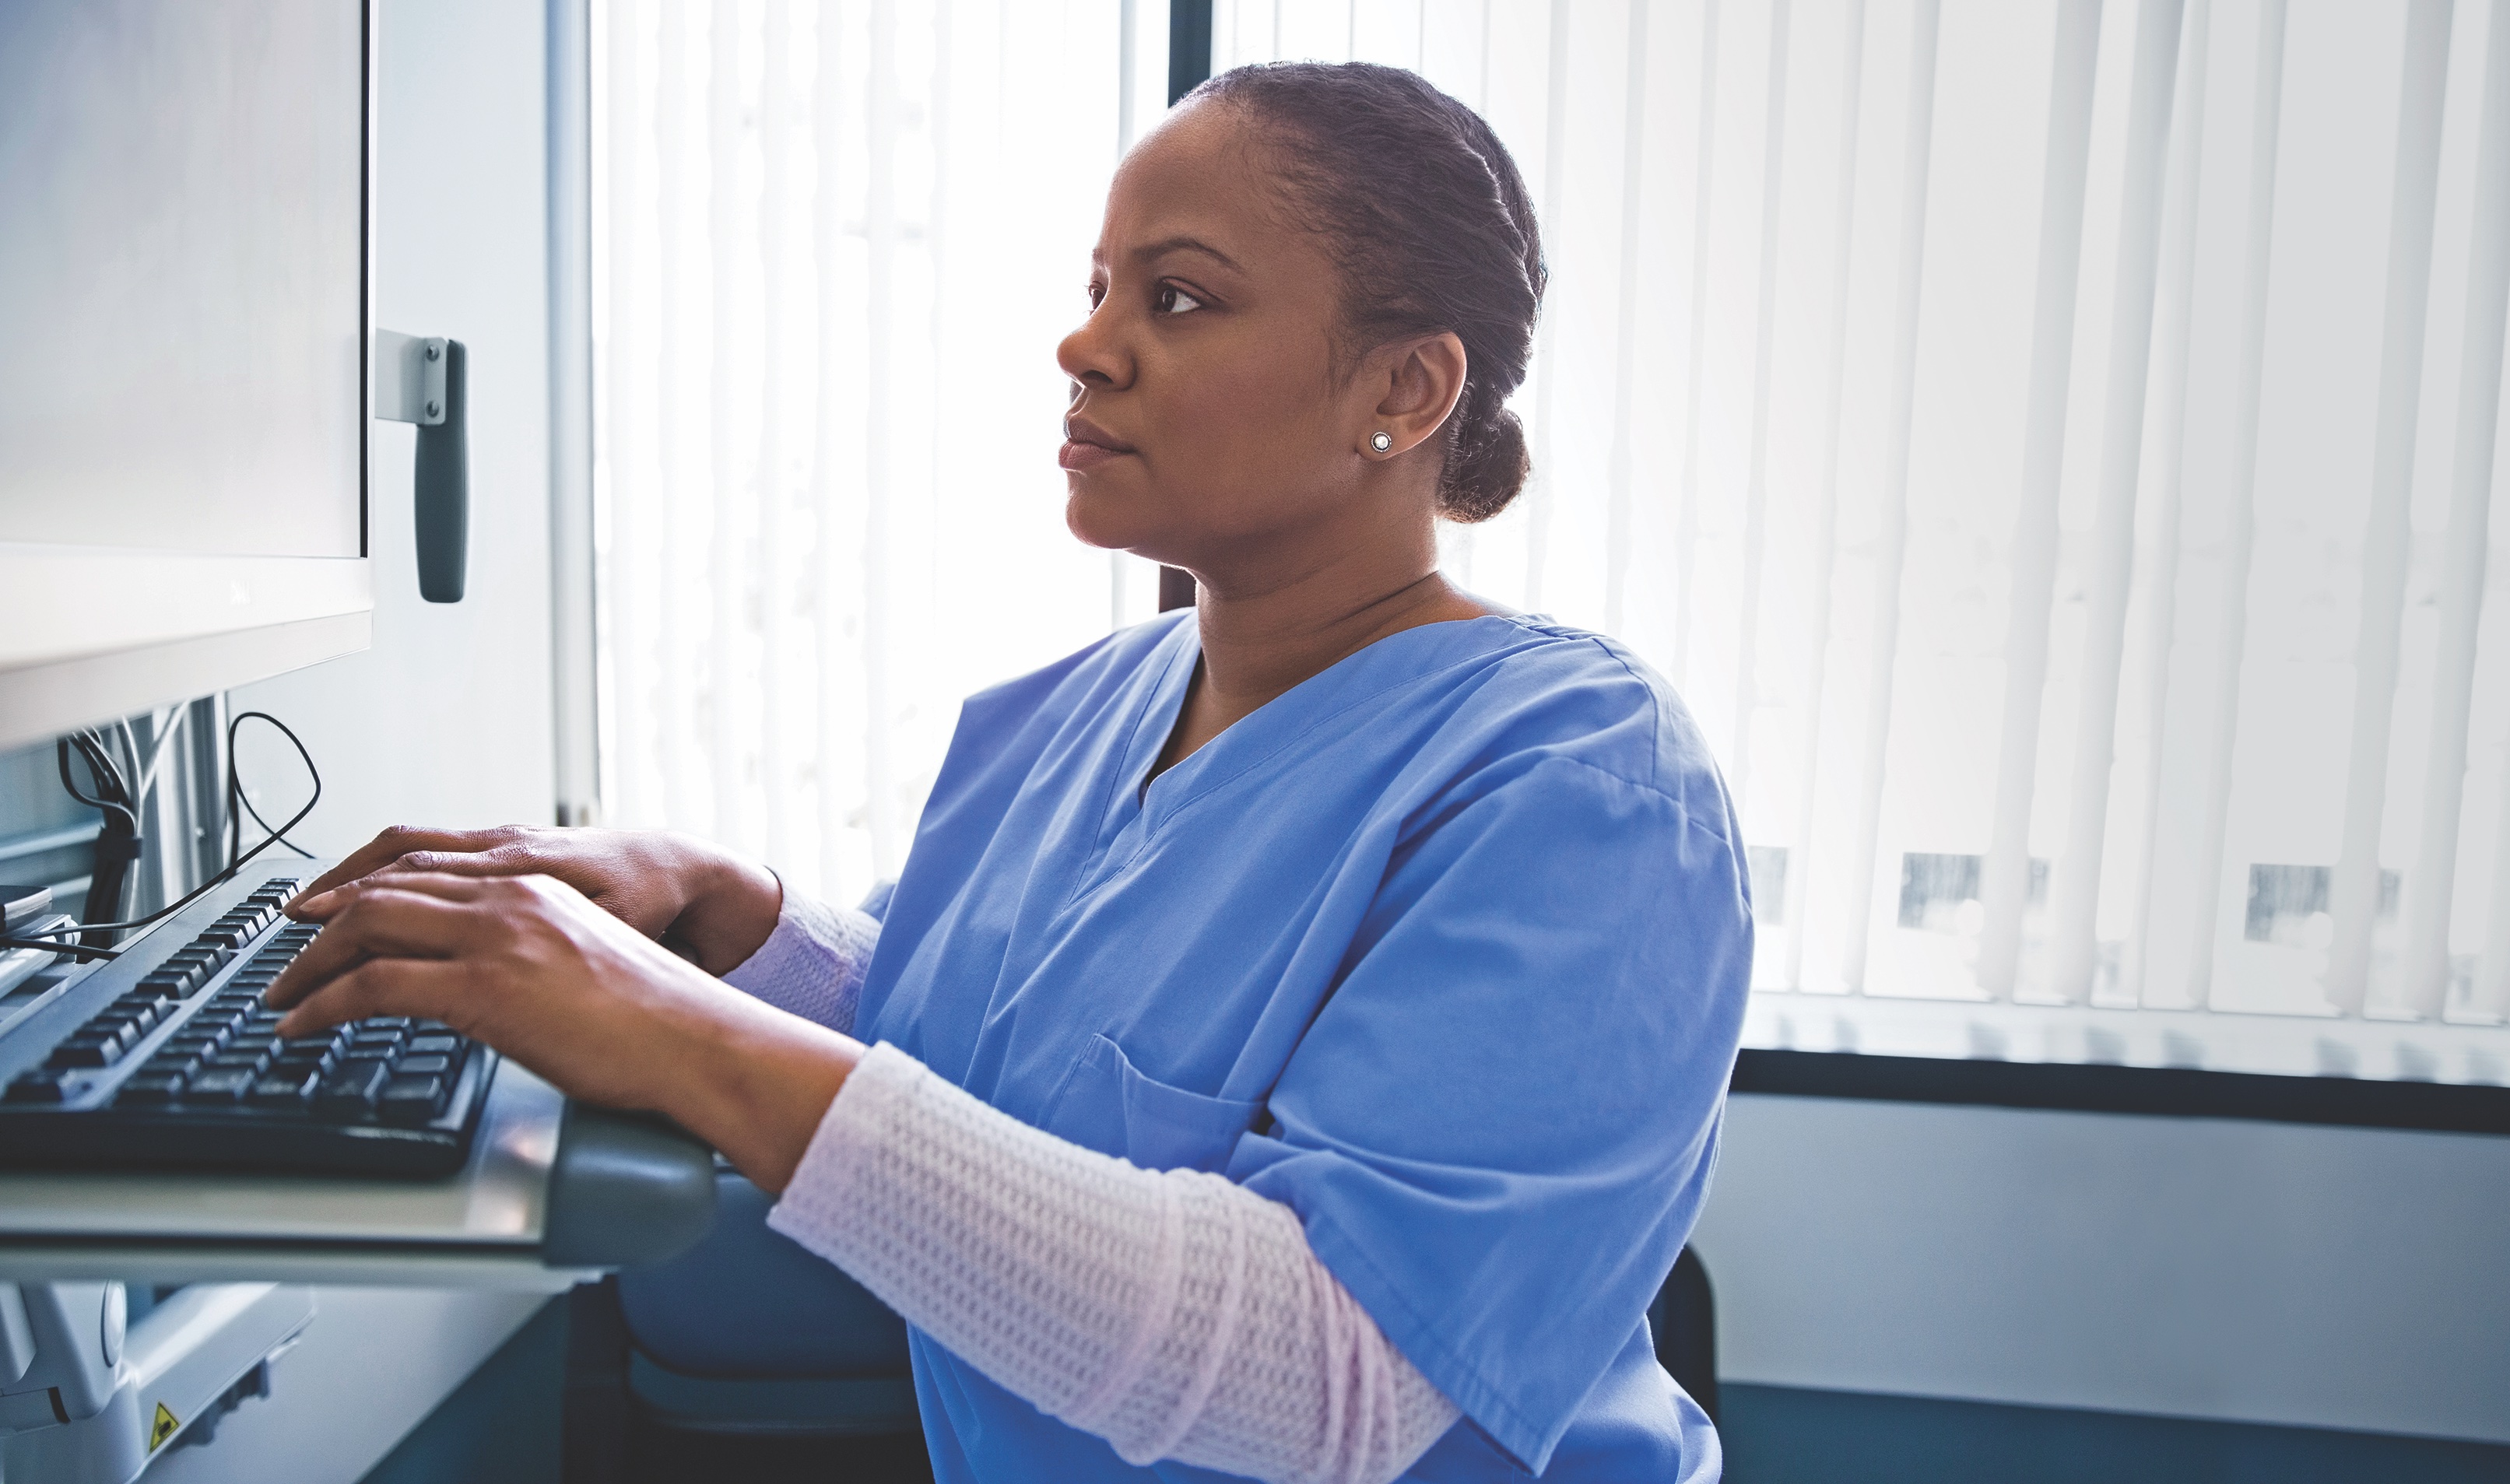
(755,1083)
(1174,1314)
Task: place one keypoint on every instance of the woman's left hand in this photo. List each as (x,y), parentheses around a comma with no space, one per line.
(532,968)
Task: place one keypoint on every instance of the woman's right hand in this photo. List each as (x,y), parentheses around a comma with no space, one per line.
(709,905)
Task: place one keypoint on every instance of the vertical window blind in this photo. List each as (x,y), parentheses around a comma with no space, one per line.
(2050,446)
(835,247)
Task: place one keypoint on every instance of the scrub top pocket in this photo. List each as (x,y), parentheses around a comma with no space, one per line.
(1112,1106)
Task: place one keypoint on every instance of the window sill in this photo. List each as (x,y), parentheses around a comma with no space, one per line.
(2152,1091)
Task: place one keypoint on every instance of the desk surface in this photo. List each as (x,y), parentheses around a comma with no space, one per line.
(551,1194)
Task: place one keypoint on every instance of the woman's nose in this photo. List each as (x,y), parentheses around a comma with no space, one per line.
(1093,354)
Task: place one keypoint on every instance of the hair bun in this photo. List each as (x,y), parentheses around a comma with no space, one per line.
(1488,463)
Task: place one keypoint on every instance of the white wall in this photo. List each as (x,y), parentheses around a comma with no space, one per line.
(447,718)
(2270,1273)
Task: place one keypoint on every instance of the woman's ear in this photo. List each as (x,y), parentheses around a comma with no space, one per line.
(1420,382)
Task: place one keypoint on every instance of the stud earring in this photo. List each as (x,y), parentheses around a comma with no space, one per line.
(1380,441)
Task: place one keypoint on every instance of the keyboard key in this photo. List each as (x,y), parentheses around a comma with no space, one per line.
(351,1091)
(172,1063)
(219,1084)
(109,1027)
(39,1087)
(385,1023)
(435,1045)
(253,1061)
(84,1053)
(224,936)
(318,1064)
(179,982)
(150,1088)
(412,1100)
(425,1066)
(287,1089)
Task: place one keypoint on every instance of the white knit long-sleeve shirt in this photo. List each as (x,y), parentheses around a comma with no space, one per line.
(1173,1313)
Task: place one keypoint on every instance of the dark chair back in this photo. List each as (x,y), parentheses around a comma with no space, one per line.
(1683,1320)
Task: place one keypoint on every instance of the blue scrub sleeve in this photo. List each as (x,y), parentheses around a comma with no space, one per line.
(1499,1129)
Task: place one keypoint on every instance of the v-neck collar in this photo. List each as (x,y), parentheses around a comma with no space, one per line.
(1399,658)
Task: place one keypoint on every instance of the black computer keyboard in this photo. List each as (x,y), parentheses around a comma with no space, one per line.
(169,1060)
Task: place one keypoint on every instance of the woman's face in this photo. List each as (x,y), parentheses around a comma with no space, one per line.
(1207,423)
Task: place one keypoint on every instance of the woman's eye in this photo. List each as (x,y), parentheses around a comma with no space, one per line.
(1172,300)
(1098,294)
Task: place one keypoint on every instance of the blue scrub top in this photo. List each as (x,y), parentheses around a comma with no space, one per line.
(1446,949)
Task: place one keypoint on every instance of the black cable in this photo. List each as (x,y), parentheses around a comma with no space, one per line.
(118,842)
(278,835)
(102,762)
(110,796)
(237,865)
(118,848)
(80,950)
(236,795)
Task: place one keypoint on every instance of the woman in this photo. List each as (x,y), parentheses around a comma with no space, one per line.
(1296,1043)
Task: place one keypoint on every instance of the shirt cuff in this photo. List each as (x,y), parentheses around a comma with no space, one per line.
(813,963)
(819,1197)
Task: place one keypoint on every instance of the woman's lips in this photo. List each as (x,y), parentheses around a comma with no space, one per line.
(1087,446)
(1076,455)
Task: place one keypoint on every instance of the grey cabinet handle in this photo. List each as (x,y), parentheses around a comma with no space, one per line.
(424,381)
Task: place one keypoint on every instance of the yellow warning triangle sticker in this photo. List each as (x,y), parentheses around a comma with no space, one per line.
(162,1428)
